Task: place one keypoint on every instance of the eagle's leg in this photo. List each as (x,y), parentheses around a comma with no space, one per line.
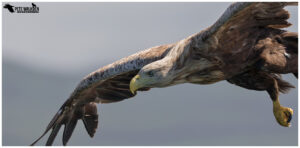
(273,84)
(283,115)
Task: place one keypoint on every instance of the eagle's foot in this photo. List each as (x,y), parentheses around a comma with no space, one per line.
(283,115)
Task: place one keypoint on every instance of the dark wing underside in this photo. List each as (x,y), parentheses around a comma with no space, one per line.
(106,85)
(115,89)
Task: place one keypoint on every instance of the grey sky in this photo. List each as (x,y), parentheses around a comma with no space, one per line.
(45,55)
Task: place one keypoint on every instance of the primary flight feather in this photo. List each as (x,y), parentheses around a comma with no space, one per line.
(246,47)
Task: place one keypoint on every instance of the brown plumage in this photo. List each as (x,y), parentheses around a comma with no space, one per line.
(246,47)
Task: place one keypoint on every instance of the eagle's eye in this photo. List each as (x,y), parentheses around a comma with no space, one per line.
(150,73)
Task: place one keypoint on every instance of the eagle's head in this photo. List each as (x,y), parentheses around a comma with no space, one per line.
(156,74)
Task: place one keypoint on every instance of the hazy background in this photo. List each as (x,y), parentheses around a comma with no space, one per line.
(45,55)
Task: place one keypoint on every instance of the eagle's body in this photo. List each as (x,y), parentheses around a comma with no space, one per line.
(245,47)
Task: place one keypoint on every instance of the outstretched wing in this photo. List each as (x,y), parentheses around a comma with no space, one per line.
(106,85)
(241,33)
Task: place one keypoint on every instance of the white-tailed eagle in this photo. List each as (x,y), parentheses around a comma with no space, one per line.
(246,46)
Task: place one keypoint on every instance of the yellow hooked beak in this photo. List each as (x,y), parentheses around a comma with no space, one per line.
(134,84)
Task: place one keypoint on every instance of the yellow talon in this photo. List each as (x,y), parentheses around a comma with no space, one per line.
(282,114)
